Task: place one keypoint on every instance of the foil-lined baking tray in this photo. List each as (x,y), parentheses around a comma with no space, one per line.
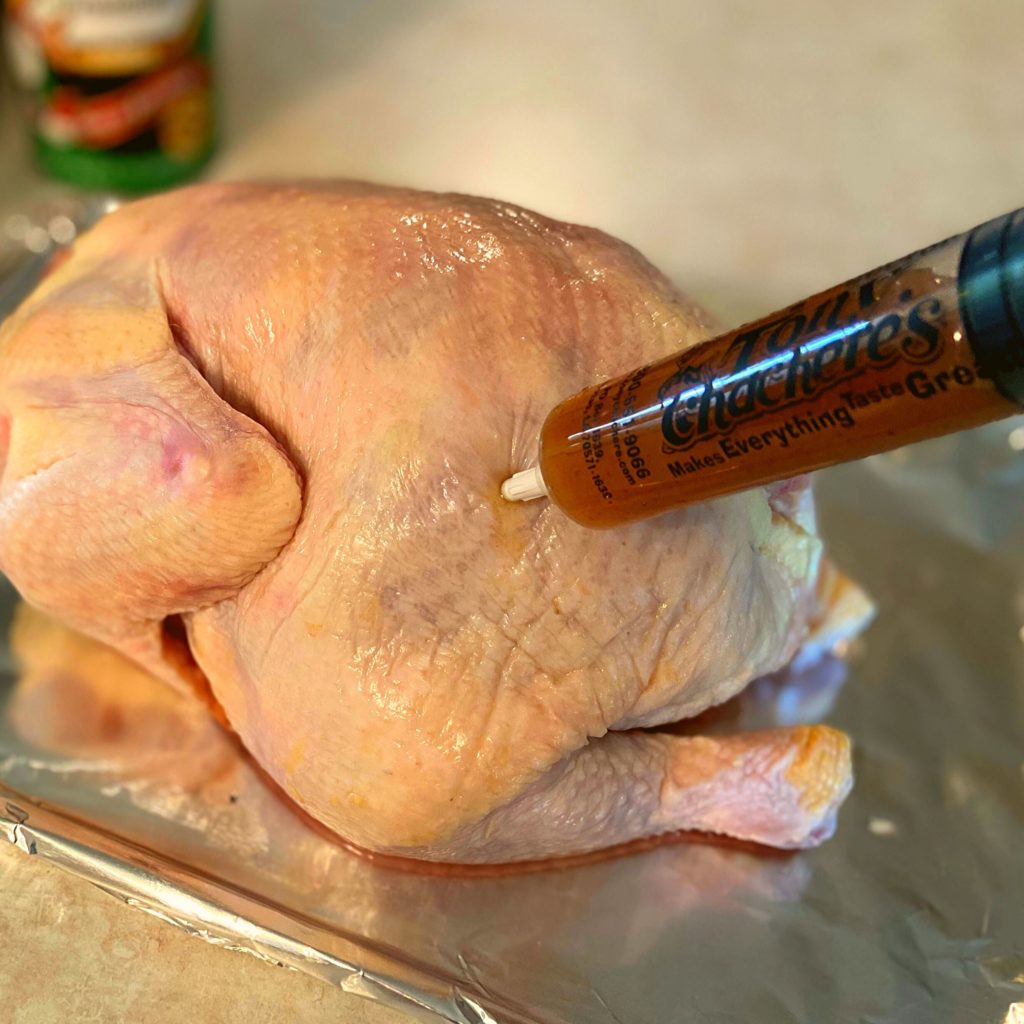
(914,912)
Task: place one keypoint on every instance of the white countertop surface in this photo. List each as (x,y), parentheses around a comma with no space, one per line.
(755,152)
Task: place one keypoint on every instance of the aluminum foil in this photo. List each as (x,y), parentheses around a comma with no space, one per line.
(914,912)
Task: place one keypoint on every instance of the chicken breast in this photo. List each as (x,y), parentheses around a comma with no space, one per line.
(254,437)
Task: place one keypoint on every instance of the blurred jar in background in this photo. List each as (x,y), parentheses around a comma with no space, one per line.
(118,93)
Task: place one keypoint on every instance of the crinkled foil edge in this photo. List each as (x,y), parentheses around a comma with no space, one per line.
(233,919)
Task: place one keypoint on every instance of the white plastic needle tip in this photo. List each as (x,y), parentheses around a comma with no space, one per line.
(524,486)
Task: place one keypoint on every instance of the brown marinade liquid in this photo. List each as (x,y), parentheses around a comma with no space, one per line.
(924,346)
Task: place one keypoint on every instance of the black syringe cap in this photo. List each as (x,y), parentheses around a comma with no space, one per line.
(991,294)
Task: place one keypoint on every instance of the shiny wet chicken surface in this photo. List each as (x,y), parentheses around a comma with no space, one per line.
(254,438)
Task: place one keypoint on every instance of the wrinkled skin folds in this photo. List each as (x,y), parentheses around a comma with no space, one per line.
(253,437)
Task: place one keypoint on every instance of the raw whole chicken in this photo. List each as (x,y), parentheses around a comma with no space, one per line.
(253,437)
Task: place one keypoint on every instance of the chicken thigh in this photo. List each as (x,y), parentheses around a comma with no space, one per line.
(253,436)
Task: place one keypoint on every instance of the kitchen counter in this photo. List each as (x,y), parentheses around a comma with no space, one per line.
(70,954)
(756,153)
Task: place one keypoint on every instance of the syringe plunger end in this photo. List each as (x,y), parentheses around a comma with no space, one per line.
(525,485)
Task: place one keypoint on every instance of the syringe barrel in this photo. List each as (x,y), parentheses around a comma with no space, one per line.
(923,346)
